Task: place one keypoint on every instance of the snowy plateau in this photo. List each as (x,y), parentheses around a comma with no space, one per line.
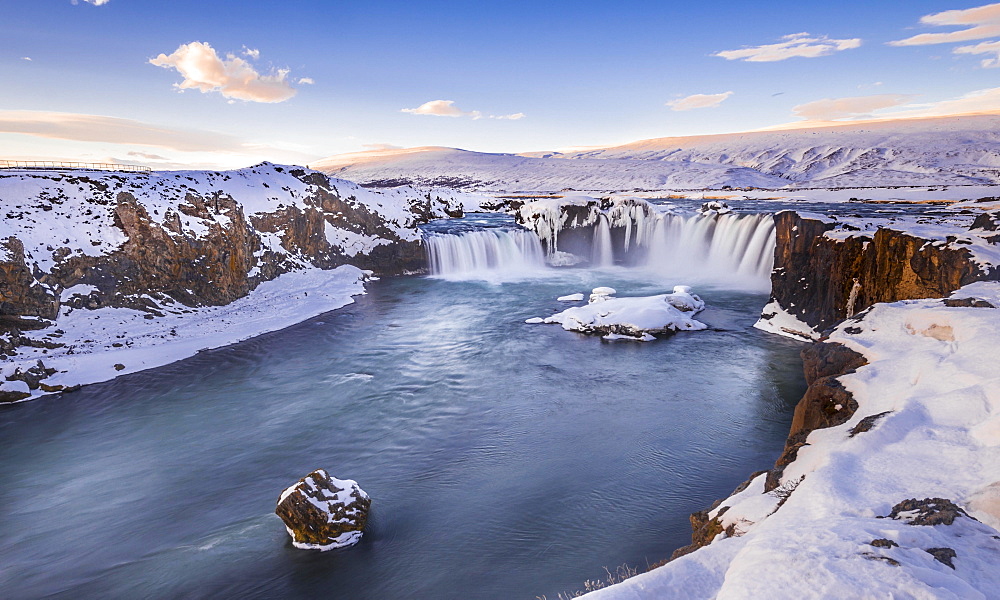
(944,151)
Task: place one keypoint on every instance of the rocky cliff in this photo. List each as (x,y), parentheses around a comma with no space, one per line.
(149,241)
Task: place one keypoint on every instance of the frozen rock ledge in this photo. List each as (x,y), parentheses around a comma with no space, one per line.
(322,512)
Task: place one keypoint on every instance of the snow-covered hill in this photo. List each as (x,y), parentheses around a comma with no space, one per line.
(958,150)
(450,167)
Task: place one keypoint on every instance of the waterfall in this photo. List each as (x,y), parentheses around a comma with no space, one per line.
(486,252)
(602,254)
(717,246)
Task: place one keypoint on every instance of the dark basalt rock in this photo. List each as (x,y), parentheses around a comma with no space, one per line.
(943,555)
(966,303)
(884,543)
(929,511)
(867,423)
(321,512)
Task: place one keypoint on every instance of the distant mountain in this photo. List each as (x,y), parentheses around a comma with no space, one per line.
(933,151)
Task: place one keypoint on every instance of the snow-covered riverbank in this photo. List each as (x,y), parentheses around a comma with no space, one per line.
(927,426)
(98,345)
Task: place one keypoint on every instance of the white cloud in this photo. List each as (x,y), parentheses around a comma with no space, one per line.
(831,109)
(698,101)
(253,53)
(306,81)
(983,48)
(794,45)
(27,58)
(979,23)
(232,77)
(447,108)
(97,128)
(979,101)
(94,2)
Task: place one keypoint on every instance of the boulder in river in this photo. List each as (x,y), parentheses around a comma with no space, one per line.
(322,512)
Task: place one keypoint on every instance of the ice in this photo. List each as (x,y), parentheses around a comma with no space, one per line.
(635,317)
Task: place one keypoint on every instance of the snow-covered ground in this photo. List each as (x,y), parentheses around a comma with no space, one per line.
(930,395)
(98,345)
(910,152)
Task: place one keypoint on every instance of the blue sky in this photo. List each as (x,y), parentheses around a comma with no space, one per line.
(559,74)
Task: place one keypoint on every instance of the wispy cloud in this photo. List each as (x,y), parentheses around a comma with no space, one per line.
(27,58)
(801,45)
(306,81)
(980,101)
(832,109)
(978,23)
(983,48)
(94,2)
(233,77)
(447,108)
(97,128)
(699,101)
(252,53)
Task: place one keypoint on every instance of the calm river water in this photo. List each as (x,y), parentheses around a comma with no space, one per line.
(504,460)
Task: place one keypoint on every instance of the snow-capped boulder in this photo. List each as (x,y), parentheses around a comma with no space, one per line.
(322,512)
(600,294)
(715,207)
(631,318)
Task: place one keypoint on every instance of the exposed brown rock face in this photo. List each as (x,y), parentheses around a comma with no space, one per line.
(322,512)
(814,275)
(20,294)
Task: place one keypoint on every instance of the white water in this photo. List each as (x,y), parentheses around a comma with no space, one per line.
(484,252)
(603,252)
(733,249)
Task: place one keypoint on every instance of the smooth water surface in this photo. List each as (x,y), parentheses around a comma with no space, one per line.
(504,460)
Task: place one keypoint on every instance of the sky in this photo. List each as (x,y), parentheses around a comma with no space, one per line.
(224,84)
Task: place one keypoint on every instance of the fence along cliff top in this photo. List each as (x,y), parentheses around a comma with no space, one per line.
(48,164)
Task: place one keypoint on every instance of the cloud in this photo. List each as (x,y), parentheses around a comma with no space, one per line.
(306,81)
(96,128)
(232,77)
(979,23)
(447,108)
(698,101)
(979,101)
(251,52)
(983,48)
(797,44)
(94,2)
(831,109)
(147,156)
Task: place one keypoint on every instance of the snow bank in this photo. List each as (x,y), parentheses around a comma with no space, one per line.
(930,399)
(98,345)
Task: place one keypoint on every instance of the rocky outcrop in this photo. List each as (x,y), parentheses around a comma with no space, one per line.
(322,512)
(823,279)
(179,240)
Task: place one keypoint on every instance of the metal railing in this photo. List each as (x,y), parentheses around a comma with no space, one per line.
(50,164)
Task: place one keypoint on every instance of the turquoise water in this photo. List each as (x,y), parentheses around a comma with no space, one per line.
(504,460)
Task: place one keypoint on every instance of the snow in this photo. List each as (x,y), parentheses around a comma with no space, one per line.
(72,213)
(89,354)
(949,151)
(76,290)
(636,317)
(934,370)
(326,502)
(775,319)
(570,298)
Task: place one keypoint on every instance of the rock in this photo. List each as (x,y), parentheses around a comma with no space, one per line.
(714,207)
(942,555)
(884,543)
(967,303)
(929,511)
(822,281)
(600,294)
(867,423)
(12,391)
(322,512)
(119,367)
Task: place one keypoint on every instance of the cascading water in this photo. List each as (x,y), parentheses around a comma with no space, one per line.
(484,252)
(716,246)
(602,253)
